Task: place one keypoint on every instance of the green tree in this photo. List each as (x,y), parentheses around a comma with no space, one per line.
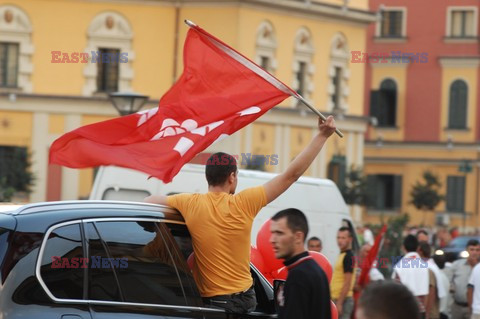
(15,174)
(355,189)
(393,240)
(425,195)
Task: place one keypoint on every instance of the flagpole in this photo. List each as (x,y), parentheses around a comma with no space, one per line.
(285,88)
(314,110)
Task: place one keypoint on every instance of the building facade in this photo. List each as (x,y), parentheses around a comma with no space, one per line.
(51,82)
(422,81)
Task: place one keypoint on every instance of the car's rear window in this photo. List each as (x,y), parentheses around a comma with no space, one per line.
(4,233)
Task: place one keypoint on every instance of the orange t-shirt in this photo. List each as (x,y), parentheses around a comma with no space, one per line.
(220,225)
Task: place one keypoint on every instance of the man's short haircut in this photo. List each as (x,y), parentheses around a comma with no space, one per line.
(410,243)
(472,242)
(422,231)
(218,167)
(344,228)
(425,248)
(388,299)
(314,238)
(296,220)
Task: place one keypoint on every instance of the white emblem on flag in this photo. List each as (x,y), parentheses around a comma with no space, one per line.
(146,115)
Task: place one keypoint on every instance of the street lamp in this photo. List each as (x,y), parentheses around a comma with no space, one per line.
(127,103)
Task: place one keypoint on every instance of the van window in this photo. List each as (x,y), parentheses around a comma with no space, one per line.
(136,253)
(61,267)
(124,194)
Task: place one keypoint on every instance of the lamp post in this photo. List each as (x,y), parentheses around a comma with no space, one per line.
(127,102)
(465,167)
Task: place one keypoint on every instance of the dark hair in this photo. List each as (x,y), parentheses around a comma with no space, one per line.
(344,228)
(439,260)
(425,249)
(388,299)
(422,231)
(410,243)
(472,242)
(314,238)
(296,220)
(219,166)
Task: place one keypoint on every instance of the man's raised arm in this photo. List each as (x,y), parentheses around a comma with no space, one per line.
(300,164)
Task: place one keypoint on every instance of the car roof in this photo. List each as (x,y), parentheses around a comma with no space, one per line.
(83,208)
(9,207)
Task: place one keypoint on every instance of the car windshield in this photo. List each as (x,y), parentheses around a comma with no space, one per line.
(460,242)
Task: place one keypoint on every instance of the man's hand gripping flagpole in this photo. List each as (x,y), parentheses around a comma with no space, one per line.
(270,77)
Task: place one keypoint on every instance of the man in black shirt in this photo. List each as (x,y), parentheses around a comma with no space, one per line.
(306,292)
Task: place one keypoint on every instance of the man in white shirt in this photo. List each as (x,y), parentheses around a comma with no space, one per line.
(412,271)
(473,292)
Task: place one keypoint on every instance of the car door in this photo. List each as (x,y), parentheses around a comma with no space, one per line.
(132,272)
(179,238)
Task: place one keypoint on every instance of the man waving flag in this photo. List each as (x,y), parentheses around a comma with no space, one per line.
(219,92)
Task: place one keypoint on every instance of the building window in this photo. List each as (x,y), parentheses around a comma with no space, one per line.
(337,170)
(301,74)
(392,24)
(383,103)
(455,193)
(385,191)
(266,46)
(16,50)
(462,23)
(457,108)
(265,63)
(8,64)
(109,32)
(339,74)
(107,75)
(337,82)
(303,69)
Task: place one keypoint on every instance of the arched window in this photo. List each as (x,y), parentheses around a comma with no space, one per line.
(383,103)
(109,35)
(303,68)
(16,49)
(339,74)
(457,108)
(266,46)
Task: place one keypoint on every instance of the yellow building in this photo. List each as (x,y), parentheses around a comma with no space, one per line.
(306,44)
(424,93)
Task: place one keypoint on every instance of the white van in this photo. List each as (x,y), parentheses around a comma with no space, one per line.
(319,199)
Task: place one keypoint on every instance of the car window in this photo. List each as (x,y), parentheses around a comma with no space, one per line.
(61,268)
(179,237)
(141,262)
(102,281)
(3,247)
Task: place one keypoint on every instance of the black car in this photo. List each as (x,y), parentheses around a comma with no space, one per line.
(102,260)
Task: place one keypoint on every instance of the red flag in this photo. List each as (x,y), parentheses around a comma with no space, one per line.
(371,258)
(219,92)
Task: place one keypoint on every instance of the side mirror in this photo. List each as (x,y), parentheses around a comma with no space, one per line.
(278,287)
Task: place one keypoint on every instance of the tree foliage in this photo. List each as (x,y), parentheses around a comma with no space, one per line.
(15,174)
(355,189)
(425,195)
